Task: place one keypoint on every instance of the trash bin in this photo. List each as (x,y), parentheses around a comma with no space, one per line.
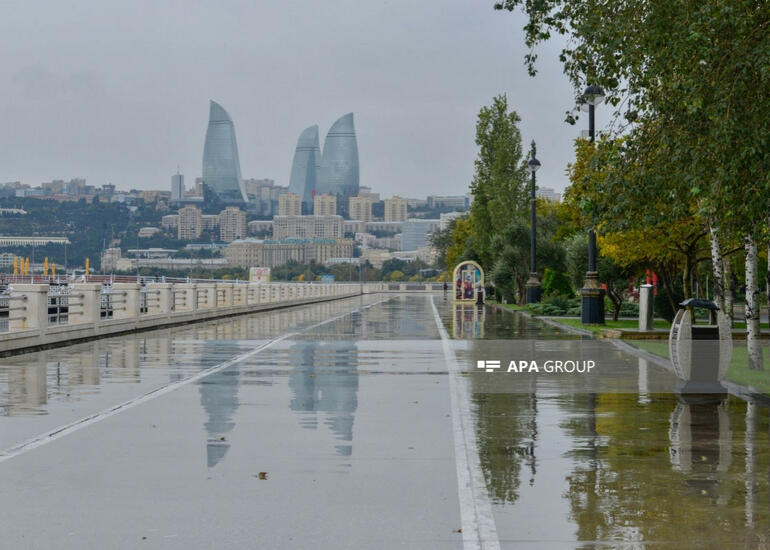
(700,353)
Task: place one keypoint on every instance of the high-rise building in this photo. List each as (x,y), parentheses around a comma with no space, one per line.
(232,224)
(289,204)
(324,205)
(304,167)
(221,166)
(177,187)
(395,209)
(190,223)
(308,227)
(360,208)
(339,173)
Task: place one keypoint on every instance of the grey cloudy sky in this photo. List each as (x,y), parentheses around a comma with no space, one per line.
(118,91)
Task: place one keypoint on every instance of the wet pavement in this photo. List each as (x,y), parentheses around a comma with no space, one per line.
(346,425)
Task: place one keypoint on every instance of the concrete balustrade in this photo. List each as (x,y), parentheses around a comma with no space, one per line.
(28,308)
(85,302)
(207,298)
(160,298)
(128,307)
(225,291)
(185,297)
(125,300)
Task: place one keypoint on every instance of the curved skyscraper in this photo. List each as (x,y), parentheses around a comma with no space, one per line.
(339,162)
(221,166)
(304,168)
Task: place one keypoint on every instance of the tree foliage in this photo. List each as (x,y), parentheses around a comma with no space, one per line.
(498,185)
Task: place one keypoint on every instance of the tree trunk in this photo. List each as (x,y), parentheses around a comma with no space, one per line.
(728,288)
(721,283)
(753,342)
(687,278)
(617,302)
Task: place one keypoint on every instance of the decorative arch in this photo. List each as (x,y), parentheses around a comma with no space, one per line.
(468,279)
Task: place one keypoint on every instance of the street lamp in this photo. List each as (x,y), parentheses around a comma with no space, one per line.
(592,293)
(533,283)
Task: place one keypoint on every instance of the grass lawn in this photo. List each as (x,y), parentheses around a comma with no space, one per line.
(620,324)
(514,307)
(737,372)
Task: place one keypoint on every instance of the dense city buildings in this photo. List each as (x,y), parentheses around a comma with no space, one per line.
(170,221)
(232,224)
(209,222)
(147,232)
(190,223)
(446,218)
(308,227)
(273,253)
(289,204)
(265,194)
(305,166)
(177,187)
(364,191)
(339,172)
(416,232)
(395,209)
(458,202)
(324,205)
(221,165)
(260,227)
(360,208)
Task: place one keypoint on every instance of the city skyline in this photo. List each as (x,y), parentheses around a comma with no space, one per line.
(70,109)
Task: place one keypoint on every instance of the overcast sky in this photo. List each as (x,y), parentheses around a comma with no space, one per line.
(118,91)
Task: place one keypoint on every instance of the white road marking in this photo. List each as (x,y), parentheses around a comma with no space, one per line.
(478,523)
(67,429)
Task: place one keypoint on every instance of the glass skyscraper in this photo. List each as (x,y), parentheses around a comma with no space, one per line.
(221,166)
(305,167)
(339,162)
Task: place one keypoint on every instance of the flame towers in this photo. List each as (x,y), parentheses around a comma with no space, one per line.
(221,166)
(339,162)
(305,167)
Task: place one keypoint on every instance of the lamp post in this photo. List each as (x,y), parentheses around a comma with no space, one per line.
(592,293)
(533,283)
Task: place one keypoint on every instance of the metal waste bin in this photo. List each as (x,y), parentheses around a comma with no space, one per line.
(700,353)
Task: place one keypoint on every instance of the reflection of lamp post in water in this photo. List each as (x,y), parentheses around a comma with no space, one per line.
(533,284)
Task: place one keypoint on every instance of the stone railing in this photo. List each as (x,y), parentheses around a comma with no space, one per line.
(40,315)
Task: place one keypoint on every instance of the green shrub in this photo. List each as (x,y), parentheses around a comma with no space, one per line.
(556,283)
(556,306)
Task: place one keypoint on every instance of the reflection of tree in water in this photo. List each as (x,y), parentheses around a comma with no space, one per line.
(326,380)
(658,472)
(506,432)
(219,398)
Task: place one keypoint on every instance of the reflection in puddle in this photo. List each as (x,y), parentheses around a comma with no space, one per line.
(325,380)
(629,459)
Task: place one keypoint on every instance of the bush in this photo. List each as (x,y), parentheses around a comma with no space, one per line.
(556,283)
(556,306)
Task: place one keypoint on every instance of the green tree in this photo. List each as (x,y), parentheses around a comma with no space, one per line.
(499,181)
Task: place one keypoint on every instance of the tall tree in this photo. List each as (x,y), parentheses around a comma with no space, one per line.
(498,186)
